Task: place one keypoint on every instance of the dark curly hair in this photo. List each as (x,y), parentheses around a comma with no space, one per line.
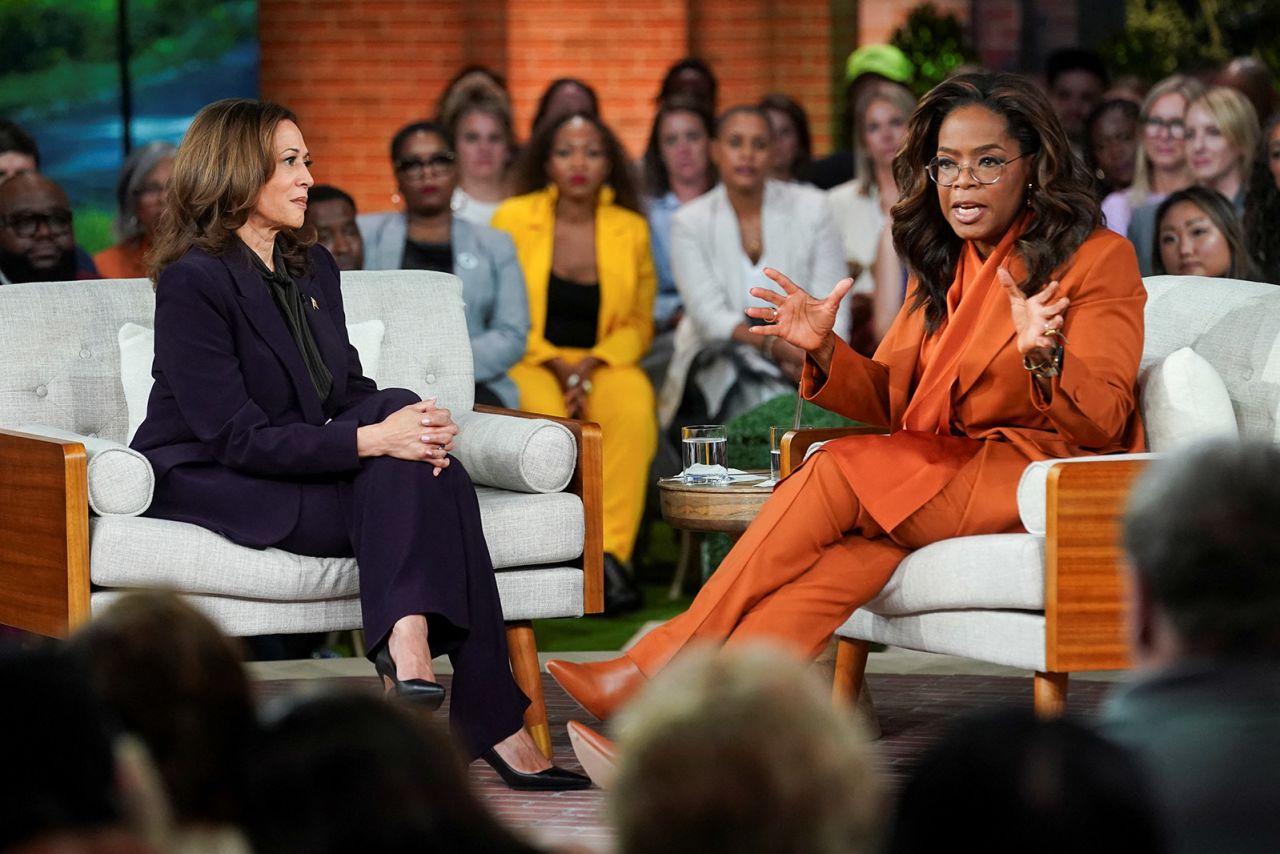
(531,168)
(1262,212)
(1064,210)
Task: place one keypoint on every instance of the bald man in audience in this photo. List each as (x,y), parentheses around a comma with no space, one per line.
(1204,716)
(37,243)
(333,215)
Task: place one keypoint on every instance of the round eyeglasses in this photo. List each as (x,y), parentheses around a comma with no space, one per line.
(437,165)
(27,223)
(987,170)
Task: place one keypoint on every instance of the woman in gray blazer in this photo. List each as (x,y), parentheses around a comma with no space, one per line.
(427,236)
(720,244)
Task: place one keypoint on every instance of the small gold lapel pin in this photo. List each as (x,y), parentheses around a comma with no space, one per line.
(315,306)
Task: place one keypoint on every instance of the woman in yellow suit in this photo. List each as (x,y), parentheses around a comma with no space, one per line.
(584,248)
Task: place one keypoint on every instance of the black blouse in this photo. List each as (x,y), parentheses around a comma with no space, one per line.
(573,312)
(284,290)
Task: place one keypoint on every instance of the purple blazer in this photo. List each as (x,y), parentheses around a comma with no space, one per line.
(234,425)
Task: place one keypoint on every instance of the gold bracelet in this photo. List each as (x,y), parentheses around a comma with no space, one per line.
(1047,369)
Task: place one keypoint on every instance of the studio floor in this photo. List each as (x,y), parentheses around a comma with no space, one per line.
(916,696)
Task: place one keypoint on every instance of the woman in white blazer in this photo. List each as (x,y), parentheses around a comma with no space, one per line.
(720,244)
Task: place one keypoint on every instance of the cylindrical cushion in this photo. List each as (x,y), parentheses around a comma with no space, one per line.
(519,454)
(1033,486)
(121,481)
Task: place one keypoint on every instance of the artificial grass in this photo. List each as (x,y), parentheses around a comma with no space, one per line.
(590,634)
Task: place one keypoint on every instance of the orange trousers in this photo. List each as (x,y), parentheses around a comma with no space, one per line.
(810,559)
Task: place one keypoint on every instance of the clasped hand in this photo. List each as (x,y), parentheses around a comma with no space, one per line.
(801,320)
(575,382)
(421,432)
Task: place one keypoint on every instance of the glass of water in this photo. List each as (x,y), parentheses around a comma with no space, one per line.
(775,448)
(705,454)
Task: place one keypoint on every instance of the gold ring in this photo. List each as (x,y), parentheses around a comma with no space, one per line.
(774,319)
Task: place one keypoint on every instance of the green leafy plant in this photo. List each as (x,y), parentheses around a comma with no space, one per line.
(935,43)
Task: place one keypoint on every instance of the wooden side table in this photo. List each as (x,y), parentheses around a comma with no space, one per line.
(698,509)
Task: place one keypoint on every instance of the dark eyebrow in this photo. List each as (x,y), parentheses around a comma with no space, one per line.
(992,146)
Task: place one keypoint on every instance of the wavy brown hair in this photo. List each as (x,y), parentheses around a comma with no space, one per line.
(531,167)
(221,166)
(1064,210)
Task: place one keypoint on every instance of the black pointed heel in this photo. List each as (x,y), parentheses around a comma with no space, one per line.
(553,779)
(418,693)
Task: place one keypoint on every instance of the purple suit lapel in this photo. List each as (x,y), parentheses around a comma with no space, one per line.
(264,316)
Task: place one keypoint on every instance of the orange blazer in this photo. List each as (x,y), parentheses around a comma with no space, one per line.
(991,407)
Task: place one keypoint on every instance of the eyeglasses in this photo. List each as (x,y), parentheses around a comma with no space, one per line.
(945,172)
(437,165)
(1174,127)
(27,223)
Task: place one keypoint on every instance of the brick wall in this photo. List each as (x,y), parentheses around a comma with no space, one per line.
(356,70)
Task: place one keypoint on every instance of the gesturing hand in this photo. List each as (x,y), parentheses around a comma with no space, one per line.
(1038,319)
(798,318)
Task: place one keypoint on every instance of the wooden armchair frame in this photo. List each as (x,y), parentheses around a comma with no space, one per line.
(44,544)
(1086,599)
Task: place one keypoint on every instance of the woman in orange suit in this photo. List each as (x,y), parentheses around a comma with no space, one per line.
(1019,341)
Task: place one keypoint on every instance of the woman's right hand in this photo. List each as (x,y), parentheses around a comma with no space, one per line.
(419,432)
(799,319)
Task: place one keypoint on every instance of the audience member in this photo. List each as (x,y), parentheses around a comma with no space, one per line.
(1009,782)
(170,677)
(721,244)
(1252,78)
(332,213)
(1129,87)
(1262,206)
(18,151)
(348,773)
(690,78)
(861,208)
(140,199)
(61,790)
(676,168)
(866,66)
(1199,234)
(480,126)
(742,750)
(564,97)
(428,236)
(792,147)
(1111,144)
(1160,166)
(37,243)
(1204,714)
(1076,79)
(584,248)
(1222,134)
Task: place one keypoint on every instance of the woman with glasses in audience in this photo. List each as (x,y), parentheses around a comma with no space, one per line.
(140,195)
(584,248)
(427,235)
(262,427)
(1019,341)
(1161,165)
(1199,234)
(480,125)
(1221,136)
(721,244)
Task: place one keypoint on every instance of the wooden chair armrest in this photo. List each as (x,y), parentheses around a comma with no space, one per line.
(797,442)
(587,484)
(1086,593)
(44,533)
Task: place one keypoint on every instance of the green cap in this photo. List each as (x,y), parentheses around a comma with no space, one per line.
(883,59)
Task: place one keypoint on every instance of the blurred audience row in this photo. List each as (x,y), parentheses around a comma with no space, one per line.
(142,734)
(614,290)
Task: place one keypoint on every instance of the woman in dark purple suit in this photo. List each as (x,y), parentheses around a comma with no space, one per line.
(262,427)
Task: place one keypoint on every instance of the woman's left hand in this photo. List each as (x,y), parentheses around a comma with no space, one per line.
(1038,319)
(575,396)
